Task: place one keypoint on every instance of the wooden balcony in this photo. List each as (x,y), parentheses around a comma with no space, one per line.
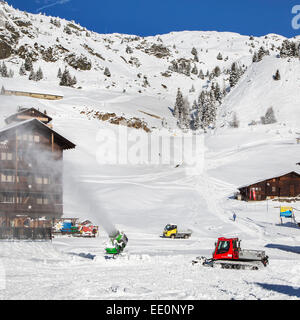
(28,209)
(28,188)
(34,166)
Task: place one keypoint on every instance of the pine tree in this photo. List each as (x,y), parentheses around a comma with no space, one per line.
(218,95)
(178,105)
(269,117)
(66,79)
(195,54)
(209,110)
(129,50)
(198,113)
(39,74)
(10,73)
(289,49)
(59,73)
(194,70)
(235,74)
(107,72)
(217,71)
(32,75)
(255,57)
(74,81)
(219,57)
(4,71)
(261,53)
(28,64)
(192,89)
(22,71)
(234,123)
(201,74)
(185,120)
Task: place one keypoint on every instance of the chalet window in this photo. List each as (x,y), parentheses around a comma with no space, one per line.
(42,180)
(6,198)
(273,189)
(19,200)
(29,137)
(42,200)
(39,180)
(6,156)
(8,178)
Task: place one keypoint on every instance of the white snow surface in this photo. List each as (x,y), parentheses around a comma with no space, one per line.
(141,199)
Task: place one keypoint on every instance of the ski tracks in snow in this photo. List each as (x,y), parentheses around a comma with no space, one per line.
(216,194)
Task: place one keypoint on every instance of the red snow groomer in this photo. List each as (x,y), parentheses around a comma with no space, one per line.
(229,255)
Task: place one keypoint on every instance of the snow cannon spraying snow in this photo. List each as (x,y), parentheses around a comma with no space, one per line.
(119,241)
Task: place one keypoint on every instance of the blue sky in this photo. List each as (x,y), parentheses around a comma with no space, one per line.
(141,17)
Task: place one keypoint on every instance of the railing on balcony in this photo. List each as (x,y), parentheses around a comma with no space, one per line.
(32,166)
(28,187)
(10,233)
(28,209)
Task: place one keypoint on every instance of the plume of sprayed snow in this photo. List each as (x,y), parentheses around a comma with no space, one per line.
(84,198)
(44,163)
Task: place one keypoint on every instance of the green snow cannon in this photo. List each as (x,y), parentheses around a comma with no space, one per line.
(119,242)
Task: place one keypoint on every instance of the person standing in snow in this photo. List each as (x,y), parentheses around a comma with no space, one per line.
(234,216)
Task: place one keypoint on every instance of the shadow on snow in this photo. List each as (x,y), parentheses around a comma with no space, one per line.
(83,255)
(284,289)
(294,249)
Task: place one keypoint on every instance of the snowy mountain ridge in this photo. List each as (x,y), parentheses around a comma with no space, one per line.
(144,66)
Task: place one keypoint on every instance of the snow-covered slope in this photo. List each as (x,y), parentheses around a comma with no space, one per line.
(257,91)
(141,66)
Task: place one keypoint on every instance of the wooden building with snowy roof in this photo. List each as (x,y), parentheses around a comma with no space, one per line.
(285,185)
(28,113)
(31,168)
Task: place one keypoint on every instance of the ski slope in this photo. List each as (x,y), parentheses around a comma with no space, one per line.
(141,200)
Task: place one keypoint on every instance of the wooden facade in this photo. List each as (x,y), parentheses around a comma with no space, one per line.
(31,171)
(284,186)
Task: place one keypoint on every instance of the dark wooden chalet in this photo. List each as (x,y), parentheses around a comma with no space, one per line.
(26,114)
(31,171)
(284,186)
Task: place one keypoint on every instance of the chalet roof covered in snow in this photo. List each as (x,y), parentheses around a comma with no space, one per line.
(28,112)
(36,124)
(276,175)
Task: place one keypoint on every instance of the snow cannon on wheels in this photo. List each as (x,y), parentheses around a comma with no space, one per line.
(119,241)
(229,255)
